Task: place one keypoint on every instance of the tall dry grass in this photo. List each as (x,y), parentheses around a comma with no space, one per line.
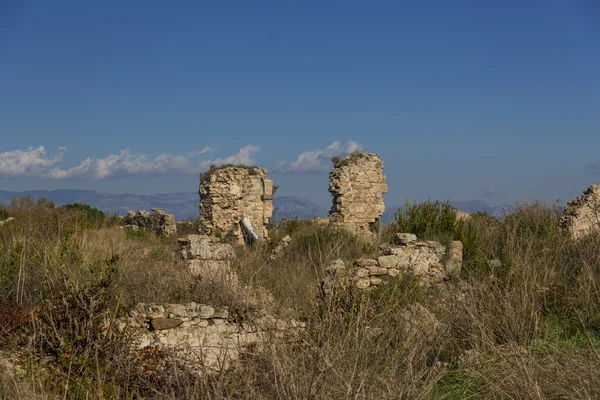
(526,326)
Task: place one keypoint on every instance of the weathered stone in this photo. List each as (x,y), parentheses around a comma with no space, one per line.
(404,239)
(155,312)
(6,221)
(229,194)
(361,272)
(393,272)
(582,215)
(165,323)
(221,312)
(155,221)
(363,283)
(357,184)
(204,247)
(208,259)
(365,262)
(206,312)
(377,271)
(280,248)
(203,345)
(375,281)
(176,309)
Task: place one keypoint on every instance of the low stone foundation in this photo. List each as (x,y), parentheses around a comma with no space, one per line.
(156,221)
(205,338)
(425,259)
(208,259)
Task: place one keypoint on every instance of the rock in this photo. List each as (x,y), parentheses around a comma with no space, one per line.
(229,194)
(204,248)
(206,312)
(375,281)
(403,239)
(582,215)
(377,271)
(7,220)
(156,221)
(177,310)
(165,323)
(208,259)
(357,185)
(366,262)
(205,345)
(278,251)
(249,231)
(361,272)
(156,312)
(363,283)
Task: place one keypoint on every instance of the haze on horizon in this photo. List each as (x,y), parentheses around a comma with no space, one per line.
(462,100)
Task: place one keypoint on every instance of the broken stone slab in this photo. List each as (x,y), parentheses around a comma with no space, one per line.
(279,249)
(165,323)
(404,239)
(365,263)
(251,234)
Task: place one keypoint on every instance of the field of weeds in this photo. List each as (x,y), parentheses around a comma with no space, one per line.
(522,321)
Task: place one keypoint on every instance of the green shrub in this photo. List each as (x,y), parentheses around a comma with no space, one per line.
(93,216)
(426,220)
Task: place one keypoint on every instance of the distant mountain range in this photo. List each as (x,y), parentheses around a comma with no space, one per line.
(182,205)
(185,205)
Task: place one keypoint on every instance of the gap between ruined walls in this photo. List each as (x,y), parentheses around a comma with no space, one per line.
(234,197)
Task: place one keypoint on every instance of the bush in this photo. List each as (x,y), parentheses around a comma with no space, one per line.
(426,220)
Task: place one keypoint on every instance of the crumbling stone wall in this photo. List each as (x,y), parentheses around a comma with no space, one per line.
(156,221)
(208,259)
(229,194)
(428,260)
(582,214)
(357,184)
(205,338)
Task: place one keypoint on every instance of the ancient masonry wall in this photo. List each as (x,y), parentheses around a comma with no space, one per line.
(229,194)
(582,214)
(357,184)
(156,221)
(205,338)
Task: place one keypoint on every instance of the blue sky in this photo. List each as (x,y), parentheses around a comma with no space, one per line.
(463,100)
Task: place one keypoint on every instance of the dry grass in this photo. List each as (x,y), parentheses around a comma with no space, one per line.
(528,328)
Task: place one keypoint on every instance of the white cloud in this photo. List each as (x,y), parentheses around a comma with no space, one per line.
(318,160)
(34,162)
(243,157)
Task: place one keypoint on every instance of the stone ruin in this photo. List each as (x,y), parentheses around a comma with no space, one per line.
(582,215)
(156,221)
(204,338)
(208,259)
(357,184)
(232,196)
(428,260)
